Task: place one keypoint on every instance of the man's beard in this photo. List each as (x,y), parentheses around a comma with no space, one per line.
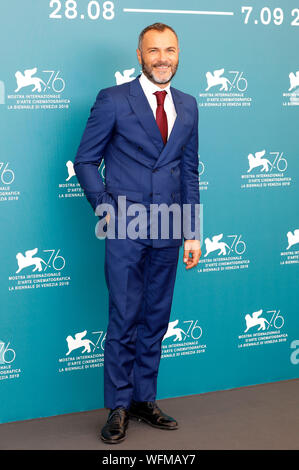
(149,74)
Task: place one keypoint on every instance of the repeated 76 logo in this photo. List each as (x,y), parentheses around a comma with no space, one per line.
(257,319)
(7,354)
(216,78)
(266,163)
(28,78)
(234,245)
(80,341)
(194,331)
(53,260)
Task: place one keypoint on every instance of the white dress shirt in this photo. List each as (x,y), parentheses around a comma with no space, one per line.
(149,88)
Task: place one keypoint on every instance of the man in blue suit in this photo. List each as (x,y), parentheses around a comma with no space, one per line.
(147,132)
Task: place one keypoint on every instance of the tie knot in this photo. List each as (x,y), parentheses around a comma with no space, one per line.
(160,95)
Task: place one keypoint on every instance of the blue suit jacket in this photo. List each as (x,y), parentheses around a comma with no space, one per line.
(122,128)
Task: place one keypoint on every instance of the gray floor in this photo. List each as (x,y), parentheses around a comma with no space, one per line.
(257,417)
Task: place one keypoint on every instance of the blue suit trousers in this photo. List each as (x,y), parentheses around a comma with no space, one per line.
(140,280)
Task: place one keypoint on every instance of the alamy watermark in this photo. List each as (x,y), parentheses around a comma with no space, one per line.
(175,220)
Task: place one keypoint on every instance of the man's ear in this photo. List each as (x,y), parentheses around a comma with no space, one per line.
(138,55)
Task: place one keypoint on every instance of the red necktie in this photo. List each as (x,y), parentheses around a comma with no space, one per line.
(161,116)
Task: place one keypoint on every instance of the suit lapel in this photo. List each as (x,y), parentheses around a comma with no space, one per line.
(144,113)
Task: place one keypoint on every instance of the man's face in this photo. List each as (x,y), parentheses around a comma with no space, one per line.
(159,56)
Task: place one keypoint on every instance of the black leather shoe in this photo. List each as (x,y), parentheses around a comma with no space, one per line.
(114,430)
(149,412)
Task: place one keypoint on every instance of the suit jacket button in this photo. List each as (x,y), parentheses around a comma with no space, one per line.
(154,170)
(140,148)
(151,194)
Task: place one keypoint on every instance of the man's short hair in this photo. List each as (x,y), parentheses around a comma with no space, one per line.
(156,26)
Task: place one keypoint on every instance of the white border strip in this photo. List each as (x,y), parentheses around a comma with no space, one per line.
(183,12)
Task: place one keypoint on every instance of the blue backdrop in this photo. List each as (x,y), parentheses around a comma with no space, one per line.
(234,320)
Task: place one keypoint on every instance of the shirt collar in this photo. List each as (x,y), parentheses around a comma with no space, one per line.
(149,86)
